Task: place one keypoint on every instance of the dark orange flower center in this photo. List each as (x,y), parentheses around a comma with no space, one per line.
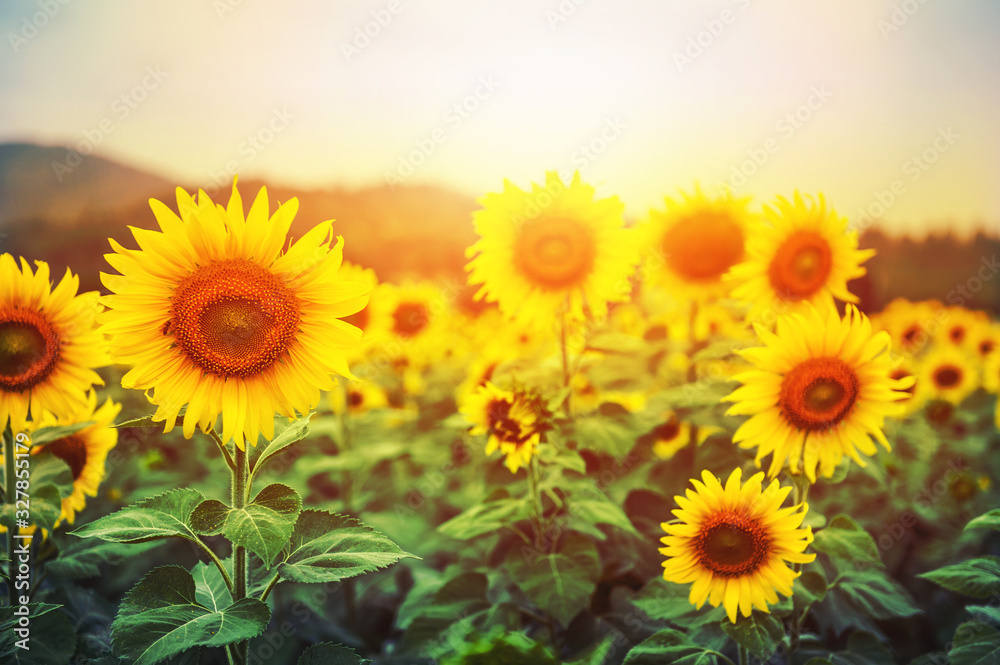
(72,450)
(957,333)
(233,318)
(502,425)
(409,318)
(801,265)
(818,393)
(668,431)
(555,252)
(913,336)
(704,246)
(355,398)
(986,347)
(947,376)
(29,349)
(732,545)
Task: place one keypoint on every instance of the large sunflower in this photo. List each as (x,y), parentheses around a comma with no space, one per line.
(806,255)
(694,242)
(213,314)
(84,451)
(510,418)
(734,543)
(821,389)
(551,249)
(49,343)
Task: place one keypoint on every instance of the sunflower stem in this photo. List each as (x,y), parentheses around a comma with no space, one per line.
(239,495)
(10,488)
(744,659)
(225,451)
(536,503)
(567,372)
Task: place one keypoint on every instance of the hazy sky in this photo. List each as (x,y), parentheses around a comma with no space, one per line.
(851,97)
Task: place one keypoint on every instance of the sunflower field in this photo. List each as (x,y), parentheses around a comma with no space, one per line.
(672,441)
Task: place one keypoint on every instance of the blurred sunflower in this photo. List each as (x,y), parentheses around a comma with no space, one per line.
(985,339)
(910,324)
(959,327)
(406,321)
(357,397)
(991,381)
(49,344)
(694,242)
(820,390)
(806,255)
(212,313)
(84,451)
(511,420)
(552,249)
(947,373)
(734,543)
(588,397)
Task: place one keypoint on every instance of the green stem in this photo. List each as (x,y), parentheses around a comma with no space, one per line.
(218,563)
(267,590)
(800,493)
(744,659)
(239,496)
(536,503)
(229,654)
(225,451)
(11,495)
(567,373)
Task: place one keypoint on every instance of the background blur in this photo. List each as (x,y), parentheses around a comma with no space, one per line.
(393,116)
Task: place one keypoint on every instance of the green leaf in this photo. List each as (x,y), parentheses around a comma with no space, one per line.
(986,612)
(49,480)
(669,646)
(325,547)
(263,526)
(485,518)
(759,633)
(668,601)
(161,618)
(603,433)
(160,516)
(81,559)
(459,596)
(990,520)
(210,587)
(875,594)
(599,511)
(557,584)
(327,653)
(44,435)
(36,611)
(847,543)
(975,644)
(597,655)
(286,433)
(979,578)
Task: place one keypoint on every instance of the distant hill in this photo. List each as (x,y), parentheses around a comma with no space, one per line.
(401,232)
(31,187)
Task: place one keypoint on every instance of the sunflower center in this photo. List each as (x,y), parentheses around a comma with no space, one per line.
(555,252)
(29,349)
(732,545)
(355,398)
(913,335)
(818,393)
(72,450)
(668,431)
(986,347)
(409,318)
(704,246)
(947,376)
(957,334)
(233,318)
(801,265)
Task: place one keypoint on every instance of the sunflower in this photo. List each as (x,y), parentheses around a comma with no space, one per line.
(510,418)
(673,434)
(553,249)
(959,327)
(912,399)
(806,255)
(991,380)
(947,373)
(406,322)
(911,325)
(694,242)
(84,451)
(49,344)
(984,340)
(213,314)
(357,397)
(588,397)
(820,378)
(734,543)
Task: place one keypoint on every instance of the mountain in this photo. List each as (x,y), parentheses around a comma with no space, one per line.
(45,183)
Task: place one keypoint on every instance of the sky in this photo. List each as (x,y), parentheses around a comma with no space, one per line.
(889,107)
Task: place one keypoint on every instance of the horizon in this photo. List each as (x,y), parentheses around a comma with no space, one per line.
(889,112)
